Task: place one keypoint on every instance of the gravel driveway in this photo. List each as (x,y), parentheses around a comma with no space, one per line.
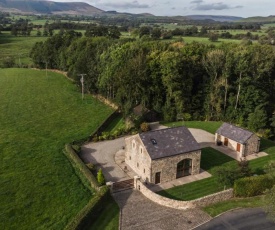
(102,155)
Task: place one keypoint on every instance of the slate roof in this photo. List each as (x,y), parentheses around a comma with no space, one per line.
(169,142)
(235,133)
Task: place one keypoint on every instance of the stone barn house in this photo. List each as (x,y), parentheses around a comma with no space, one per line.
(238,139)
(163,155)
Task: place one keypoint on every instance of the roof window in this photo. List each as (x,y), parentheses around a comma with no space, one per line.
(154,142)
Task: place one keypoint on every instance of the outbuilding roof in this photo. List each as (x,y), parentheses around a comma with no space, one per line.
(234,133)
(169,142)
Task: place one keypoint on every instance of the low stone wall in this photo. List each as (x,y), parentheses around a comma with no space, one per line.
(177,204)
(214,198)
(164,201)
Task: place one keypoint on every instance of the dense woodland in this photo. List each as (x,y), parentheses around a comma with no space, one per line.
(235,83)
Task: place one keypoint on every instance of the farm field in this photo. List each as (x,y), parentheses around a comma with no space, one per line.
(38,186)
(17,47)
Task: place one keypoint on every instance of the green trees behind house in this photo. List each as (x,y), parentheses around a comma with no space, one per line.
(235,83)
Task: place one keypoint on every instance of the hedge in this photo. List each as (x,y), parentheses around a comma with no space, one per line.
(90,212)
(81,169)
(252,186)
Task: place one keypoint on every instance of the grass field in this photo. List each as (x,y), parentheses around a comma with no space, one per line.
(109,218)
(218,208)
(17,47)
(209,126)
(39,114)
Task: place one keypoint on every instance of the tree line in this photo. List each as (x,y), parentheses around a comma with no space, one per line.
(234,83)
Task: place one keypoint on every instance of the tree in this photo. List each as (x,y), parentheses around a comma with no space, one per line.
(214,63)
(226,175)
(156,33)
(244,169)
(144,30)
(213,37)
(258,119)
(100,177)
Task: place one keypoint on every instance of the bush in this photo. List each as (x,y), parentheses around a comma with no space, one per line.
(144,127)
(100,177)
(252,186)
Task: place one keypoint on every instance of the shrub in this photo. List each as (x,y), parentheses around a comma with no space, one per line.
(100,177)
(80,168)
(252,186)
(77,148)
(144,127)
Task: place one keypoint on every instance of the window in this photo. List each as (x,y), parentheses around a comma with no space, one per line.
(137,164)
(133,144)
(140,150)
(143,170)
(130,158)
(154,142)
(184,168)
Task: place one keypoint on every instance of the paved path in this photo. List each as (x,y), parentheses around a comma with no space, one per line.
(242,219)
(102,155)
(139,213)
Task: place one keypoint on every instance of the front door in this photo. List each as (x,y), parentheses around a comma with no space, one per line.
(238,147)
(157,179)
(225,142)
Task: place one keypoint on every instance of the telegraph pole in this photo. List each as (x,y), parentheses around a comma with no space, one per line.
(82,83)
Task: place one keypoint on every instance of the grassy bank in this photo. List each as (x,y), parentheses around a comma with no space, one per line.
(39,114)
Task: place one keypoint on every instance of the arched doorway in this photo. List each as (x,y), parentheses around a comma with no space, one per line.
(184,168)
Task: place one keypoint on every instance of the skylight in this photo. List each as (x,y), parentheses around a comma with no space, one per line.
(154,142)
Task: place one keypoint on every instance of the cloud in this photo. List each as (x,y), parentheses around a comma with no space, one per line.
(197,1)
(212,6)
(125,5)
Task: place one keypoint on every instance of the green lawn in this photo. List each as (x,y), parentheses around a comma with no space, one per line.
(210,158)
(109,217)
(218,208)
(38,186)
(209,126)
(17,47)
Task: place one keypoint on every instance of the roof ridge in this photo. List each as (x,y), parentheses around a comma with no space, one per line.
(239,127)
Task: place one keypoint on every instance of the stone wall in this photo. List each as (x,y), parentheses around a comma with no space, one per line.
(252,145)
(137,157)
(177,204)
(168,166)
(214,198)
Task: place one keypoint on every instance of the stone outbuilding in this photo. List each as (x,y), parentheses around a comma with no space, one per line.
(238,139)
(163,155)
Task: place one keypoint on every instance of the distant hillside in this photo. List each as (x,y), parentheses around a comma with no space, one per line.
(270,18)
(214,18)
(48,7)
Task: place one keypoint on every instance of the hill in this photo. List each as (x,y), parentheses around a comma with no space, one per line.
(219,18)
(48,7)
(267,19)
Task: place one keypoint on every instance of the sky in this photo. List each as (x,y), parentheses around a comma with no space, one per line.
(242,8)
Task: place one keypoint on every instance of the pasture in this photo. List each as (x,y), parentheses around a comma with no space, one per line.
(17,48)
(39,114)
